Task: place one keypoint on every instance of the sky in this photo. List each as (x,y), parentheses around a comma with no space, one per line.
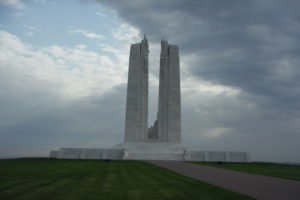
(64,65)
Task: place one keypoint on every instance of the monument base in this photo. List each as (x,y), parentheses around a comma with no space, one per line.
(153,151)
(150,151)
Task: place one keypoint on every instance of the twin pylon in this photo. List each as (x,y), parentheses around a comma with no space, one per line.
(167,127)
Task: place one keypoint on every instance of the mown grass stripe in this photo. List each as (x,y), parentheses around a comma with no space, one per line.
(31,179)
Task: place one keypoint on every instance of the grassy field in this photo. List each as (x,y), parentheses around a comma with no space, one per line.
(267,169)
(95,179)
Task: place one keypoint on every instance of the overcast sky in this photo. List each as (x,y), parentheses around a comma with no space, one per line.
(64,64)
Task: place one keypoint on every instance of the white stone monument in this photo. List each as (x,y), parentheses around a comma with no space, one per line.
(167,128)
(162,141)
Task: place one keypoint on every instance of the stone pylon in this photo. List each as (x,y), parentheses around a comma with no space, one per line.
(167,127)
(136,122)
(169,105)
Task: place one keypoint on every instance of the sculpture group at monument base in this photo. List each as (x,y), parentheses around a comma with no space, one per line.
(149,151)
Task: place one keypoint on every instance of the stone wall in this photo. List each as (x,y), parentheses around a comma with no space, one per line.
(150,151)
(87,153)
(194,156)
(214,156)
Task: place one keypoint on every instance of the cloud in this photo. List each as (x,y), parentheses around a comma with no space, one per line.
(16,4)
(81,46)
(217,132)
(239,69)
(31,27)
(76,69)
(100,14)
(52,93)
(30,33)
(126,33)
(31,30)
(87,34)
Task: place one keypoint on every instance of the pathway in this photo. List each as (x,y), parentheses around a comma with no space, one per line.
(257,186)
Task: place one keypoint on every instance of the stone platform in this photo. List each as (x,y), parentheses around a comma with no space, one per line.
(153,151)
(150,151)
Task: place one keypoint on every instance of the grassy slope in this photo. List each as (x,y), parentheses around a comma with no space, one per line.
(267,169)
(92,179)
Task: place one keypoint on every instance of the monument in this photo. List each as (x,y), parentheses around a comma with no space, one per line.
(167,128)
(162,141)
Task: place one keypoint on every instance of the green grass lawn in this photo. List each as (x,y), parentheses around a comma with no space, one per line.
(95,179)
(267,169)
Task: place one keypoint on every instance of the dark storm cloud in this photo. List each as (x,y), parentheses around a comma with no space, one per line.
(252,46)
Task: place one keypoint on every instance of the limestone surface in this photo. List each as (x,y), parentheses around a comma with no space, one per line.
(169,106)
(136,121)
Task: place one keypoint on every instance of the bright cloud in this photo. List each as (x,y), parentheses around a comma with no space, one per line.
(77,71)
(17,4)
(217,132)
(196,85)
(87,34)
(126,33)
(100,14)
